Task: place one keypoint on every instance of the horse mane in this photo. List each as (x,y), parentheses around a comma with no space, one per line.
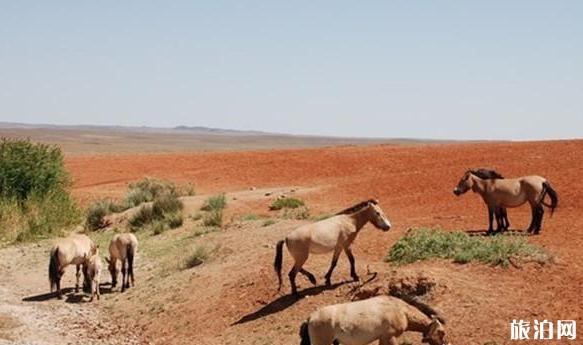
(486,174)
(415,302)
(357,207)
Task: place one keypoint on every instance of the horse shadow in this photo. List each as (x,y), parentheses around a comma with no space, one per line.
(484,232)
(69,293)
(284,302)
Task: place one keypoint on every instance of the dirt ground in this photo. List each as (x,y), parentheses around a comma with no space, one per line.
(232,299)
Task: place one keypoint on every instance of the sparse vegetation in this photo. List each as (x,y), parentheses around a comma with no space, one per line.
(200,254)
(214,210)
(268,222)
(422,244)
(300,213)
(286,203)
(34,202)
(98,210)
(216,202)
(249,217)
(159,227)
(201,231)
(166,209)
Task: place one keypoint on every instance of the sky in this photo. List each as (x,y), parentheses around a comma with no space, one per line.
(416,69)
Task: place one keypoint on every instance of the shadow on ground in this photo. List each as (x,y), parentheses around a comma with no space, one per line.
(284,302)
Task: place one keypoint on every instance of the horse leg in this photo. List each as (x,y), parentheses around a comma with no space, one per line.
(504,214)
(353,274)
(332,265)
(540,211)
(388,340)
(77,275)
(59,293)
(490,220)
(298,263)
(123,275)
(533,220)
(308,275)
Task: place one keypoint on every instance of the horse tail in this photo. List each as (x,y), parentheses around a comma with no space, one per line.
(414,301)
(130,258)
(304,333)
(278,261)
(54,268)
(548,190)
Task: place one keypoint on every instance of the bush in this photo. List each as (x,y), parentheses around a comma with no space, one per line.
(153,187)
(422,244)
(199,255)
(214,203)
(287,203)
(96,215)
(174,220)
(34,202)
(159,227)
(268,222)
(213,218)
(166,208)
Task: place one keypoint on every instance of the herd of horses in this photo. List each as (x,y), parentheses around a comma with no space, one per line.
(381,318)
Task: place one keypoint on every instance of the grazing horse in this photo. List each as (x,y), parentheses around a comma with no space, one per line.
(512,192)
(382,318)
(93,274)
(332,234)
(122,247)
(500,212)
(73,250)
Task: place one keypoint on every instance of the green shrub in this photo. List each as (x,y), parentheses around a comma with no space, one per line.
(199,255)
(153,187)
(34,202)
(144,216)
(159,227)
(136,197)
(422,244)
(166,203)
(214,203)
(213,218)
(196,216)
(174,220)
(286,203)
(96,216)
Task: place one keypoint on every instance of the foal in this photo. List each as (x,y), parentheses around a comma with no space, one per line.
(332,234)
(122,247)
(381,318)
(73,250)
(93,274)
(511,192)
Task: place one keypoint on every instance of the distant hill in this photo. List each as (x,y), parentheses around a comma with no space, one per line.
(92,139)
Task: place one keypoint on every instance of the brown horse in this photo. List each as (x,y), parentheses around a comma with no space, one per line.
(500,213)
(512,192)
(382,318)
(122,247)
(73,250)
(332,234)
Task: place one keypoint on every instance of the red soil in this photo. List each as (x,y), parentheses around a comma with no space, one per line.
(414,186)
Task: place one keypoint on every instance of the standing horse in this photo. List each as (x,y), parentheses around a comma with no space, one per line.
(500,212)
(332,234)
(382,318)
(73,250)
(122,247)
(93,275)
(512,192)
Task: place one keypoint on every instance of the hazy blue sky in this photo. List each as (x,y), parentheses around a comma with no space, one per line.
(438,69)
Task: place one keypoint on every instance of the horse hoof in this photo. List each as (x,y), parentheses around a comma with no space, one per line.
(356,278)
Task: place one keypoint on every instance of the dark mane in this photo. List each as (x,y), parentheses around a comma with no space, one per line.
(422,307)
(357,207)
(486,174)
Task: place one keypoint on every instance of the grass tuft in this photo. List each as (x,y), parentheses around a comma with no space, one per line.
(286,203)
(199,255)
(422,244)
(216,202)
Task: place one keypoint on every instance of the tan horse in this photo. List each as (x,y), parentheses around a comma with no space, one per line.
(382,318)
(93,273)
(332,234)
(73,250)
(511,192)
(122,247)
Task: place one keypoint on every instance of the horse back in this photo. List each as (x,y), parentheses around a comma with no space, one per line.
(74,249)
(120,243)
